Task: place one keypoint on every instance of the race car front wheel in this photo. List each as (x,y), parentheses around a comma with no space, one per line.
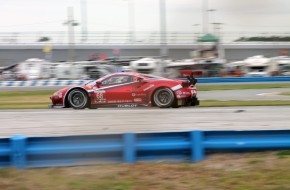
(163,97)
(78,99)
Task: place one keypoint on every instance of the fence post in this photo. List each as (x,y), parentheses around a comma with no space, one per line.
(129,150)
(197,149)
(18,154)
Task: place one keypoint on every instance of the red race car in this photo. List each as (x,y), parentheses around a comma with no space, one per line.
(128,90)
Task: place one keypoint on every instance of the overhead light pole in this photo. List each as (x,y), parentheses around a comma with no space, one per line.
(195,33)
(204,16)
(211,15)
(163,32)
(216,28)
(71,23)
(84,20)
(131,19)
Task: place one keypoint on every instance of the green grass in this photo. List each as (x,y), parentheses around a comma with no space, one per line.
(25,99)
(45,93)
(250,171)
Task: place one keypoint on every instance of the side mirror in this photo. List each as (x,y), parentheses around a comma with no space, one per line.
(141,80)
(98,84)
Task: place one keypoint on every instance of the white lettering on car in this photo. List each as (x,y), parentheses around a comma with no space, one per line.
(137,99)
(127,106)
(100,96)
(118,101)
(152,85)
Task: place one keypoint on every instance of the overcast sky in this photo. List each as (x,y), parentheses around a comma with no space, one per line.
(112,15)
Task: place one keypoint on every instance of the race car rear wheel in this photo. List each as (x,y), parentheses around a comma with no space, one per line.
(163,97)
(78,99)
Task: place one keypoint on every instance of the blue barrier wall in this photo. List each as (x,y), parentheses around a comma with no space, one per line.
(42,83)
(23,152)
(200,80)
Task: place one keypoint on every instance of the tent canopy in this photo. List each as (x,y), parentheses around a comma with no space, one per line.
(208,38)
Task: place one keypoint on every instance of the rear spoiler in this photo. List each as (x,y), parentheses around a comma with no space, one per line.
(191,79)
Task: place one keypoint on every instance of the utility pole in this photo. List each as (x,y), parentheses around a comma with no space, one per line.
(195,33)
(71,23)
(204,17)
(84,20)
(131,19)
(163,32)
(216,28)
(210,15)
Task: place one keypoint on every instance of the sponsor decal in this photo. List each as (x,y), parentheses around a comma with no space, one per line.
(99,95)
(99,91)
(127,105)
(186,93)
(151,85)
(193,91)
(101,100)
(178,92)
(177,87)
(133,94)
(118,101)
(137,99)
(180,96)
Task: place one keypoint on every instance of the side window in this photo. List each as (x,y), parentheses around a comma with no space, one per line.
(119,79)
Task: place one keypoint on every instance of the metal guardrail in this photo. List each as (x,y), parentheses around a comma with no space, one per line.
(200,80)
(192,146)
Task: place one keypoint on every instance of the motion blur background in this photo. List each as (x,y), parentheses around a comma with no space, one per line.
(117,32)
(243,45)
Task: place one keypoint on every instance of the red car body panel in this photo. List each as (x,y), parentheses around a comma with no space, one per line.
(137,92)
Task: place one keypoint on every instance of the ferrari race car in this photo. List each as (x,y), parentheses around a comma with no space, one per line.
(126,90)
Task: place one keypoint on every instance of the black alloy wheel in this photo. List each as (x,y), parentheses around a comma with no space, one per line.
(163,97)
(78,99)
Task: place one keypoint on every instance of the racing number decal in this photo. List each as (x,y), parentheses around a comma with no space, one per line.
(100,96)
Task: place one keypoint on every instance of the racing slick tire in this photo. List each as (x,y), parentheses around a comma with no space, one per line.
(163,98)
(78,99)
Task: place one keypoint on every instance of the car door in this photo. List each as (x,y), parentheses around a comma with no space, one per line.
(117,89)
(141,90)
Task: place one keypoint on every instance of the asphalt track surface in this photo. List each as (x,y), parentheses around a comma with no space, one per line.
(63,122)
(246,94)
